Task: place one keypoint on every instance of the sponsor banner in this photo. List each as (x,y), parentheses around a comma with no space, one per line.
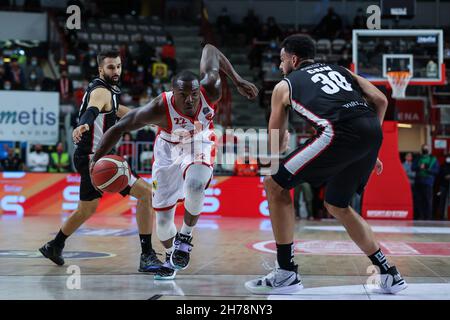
(410,111)
(29,116)
(27,194)
(346,247)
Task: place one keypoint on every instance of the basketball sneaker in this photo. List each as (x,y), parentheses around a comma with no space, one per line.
(52,252)
(392,281)
(167,271)
(149,262)
(278,281)
(182,250)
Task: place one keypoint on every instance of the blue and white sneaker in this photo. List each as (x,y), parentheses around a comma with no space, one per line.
(167,271)
(182,250)
(278,281)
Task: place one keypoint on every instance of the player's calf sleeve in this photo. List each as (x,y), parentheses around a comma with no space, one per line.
(165,224)
(196,179)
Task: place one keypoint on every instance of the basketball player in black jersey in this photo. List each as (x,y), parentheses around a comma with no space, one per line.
(347,112)
(99,111)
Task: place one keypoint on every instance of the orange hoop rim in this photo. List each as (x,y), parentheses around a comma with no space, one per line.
(398,74)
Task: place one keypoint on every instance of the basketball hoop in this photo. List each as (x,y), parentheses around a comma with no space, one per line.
(399,81)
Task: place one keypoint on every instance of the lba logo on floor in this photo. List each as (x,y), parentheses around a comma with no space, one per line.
(324,247)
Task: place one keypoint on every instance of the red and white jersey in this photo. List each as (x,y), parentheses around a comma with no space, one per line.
(182,128)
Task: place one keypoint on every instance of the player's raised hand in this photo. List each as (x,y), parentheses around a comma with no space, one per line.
(78,132)
(247,89)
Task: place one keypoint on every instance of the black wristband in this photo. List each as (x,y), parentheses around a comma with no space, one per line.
(89,116)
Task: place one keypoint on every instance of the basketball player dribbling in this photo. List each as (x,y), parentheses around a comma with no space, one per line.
(347,111)
(99,111)
(183,159)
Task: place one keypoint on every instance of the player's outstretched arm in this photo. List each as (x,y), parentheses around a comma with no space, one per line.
(214,59)
(152,113)
(374,96)
(97,101)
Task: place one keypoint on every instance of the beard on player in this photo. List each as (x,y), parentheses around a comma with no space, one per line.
(112,80)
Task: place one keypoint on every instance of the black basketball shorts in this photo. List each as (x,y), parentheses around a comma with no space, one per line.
(341,157)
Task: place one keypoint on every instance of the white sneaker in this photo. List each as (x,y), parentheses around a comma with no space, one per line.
(392,282)
(278,281)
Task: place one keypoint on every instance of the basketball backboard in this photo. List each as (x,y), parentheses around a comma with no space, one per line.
(420,52)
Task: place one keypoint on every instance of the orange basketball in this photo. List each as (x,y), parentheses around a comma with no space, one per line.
(111,174)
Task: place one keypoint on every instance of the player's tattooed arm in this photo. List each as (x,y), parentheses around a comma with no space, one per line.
(373,96)
(278,122)
(98,100)
(151,113)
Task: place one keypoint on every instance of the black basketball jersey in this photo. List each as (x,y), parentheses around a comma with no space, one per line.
(326,94)
(105,120)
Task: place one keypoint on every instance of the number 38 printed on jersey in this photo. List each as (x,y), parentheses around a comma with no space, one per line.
(333,82)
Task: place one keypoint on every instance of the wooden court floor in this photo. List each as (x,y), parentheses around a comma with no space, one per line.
(227,252)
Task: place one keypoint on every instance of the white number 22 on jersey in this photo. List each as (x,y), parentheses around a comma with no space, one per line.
(333,83)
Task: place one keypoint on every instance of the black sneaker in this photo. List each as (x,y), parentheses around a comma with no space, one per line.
(149,262)
(167,271)
(392,281)
(182,250)
(52,252)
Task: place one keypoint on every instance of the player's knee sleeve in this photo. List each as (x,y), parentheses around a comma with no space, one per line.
(196,179)
(165,224)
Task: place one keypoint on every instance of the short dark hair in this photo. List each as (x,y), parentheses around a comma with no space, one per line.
(184,75)
(301,45)
(107,54)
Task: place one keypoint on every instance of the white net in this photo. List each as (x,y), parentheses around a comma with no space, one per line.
(399,81)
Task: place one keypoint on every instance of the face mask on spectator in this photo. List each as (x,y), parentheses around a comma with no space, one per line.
(140,69)
(447,160)
(7,86)
(156,81)
(37,88)
(273,44)
(127,98)
(92,63)
(425,151)
(34,63)
(149,92)
(33,76)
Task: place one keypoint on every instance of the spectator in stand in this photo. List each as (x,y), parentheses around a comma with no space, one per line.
(145,54)
(65,88)
(126,148)
(250,24)
(274,30)
(145,157)
(444,184)
(33,71)
(17,76)
(330,26)
(7,85)
(79,93)
(12,162)
(3,76)
(90,69)
(408,166)
(59,160)
(223,23)
(143,137)
(168,55)
(359,22)
(308,197)
(426,168)
(38,160)
(147,135)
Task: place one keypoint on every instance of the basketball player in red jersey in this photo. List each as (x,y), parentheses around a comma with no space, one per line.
(99,111)
(183,162)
